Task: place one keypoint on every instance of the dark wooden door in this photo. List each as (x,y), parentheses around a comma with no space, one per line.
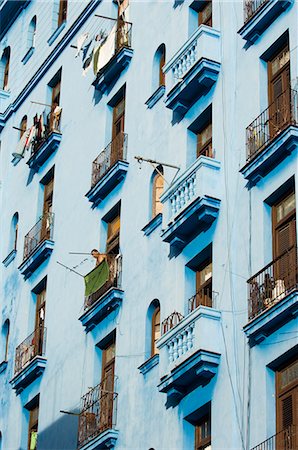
(279,91)
(118,132)
(204,285)
(39,322)
(287,406)
(107,387)
(284,240)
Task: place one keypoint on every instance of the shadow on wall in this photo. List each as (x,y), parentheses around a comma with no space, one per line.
(61,435)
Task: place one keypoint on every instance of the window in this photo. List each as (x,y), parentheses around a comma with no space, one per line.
(23,126)
(14,232)
(54,93)
(47,208)
(39,320)
(279,90)
(203,434)
(107,383)
(204,284)
(62,12)
(158,77)
(33,427)
(113,235)
(31,34)
(157,190)
(204,141)
(4,69)
(155,335)
(118,131)
(205,13)
(286,401)
(6,331)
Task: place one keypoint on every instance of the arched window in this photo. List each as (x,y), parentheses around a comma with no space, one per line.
(157,190)
(31,34)
(4,68)
(158,64)
(23,126)
(14,232)
(152,329)
(155,335)
(5,333)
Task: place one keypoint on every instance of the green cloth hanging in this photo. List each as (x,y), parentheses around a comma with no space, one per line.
(95,279)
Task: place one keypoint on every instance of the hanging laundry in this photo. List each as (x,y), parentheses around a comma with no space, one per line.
(80,42)
(107,50)
(87,47)
(21,147)
(30,137)
(87,64)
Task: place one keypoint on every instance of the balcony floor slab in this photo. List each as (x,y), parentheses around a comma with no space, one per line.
(264,16)
(195,371)
(104,440)
(45,151)
(272,318)
(195,83)
(37,257)
(107,183)
(194,219)
(112,70)
(272,155)
(102,308)
(28,374)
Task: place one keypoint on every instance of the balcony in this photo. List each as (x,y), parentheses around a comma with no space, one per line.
(258,15)
(103,293)
(284,440)
(108,169)
(97,418)
(271,137)
(191,204)
(38,245)
(29,360)
(273,294)
(193,70)
(115,55)
(189,358)
(46,140)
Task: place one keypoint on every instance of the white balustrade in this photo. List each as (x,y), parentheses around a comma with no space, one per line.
(181,343)
(183,194)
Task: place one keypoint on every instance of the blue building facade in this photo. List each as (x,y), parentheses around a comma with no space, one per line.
(148,229)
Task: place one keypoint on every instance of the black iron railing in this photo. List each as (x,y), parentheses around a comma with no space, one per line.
(284,440)
(41,231)
(251,7)
(271,284)
(205,297)
(271,122)
(115,275)
(33,345)
(43,130)
(115,151)
(98,411)
(171,321)
(123,35)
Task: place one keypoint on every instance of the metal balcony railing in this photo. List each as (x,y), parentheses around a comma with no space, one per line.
(271,284)
(115,151)
(204,297)
(44,130)
(98,411)
(115,275)
(271,122)
(251,7)
(123,35)
(171,321)
(41,231)
(284,440)
(33,345)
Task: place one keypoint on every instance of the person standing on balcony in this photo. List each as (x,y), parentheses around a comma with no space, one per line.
(99,257)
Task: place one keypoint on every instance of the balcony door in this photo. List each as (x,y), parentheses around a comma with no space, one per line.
(204,285)
(286,406)
(284,240)
(279,91)
(47,209)
(39,321)
(203,434)
(107,387)
(118,131)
